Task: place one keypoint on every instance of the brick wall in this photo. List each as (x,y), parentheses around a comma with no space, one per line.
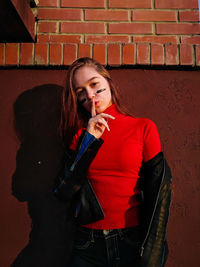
(115,32)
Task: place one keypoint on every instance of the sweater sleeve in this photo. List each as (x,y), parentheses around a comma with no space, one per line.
(152,145)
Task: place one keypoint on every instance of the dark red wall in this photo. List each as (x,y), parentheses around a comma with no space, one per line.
(170,98)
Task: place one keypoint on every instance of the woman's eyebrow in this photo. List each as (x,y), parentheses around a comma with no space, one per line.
(86,82)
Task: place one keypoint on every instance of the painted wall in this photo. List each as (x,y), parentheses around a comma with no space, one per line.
(115,32)
(170,98)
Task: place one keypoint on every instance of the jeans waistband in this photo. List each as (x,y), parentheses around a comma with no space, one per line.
(106,232)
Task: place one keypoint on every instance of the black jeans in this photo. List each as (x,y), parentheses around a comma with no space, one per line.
(105,248)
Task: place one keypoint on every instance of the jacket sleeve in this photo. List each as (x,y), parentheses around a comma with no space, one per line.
(75,168)
(155,211)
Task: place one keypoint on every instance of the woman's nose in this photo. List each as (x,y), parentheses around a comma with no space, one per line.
(90,93)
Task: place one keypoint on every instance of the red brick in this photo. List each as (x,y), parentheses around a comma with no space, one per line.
(80,27)
(69,53)
(114,54)
(130,3)
(48,3)
(131,28)
(2,54)
(11,54)
(83,3)
(143,54)
(99,53)
(154,15)
(106,39)
(171,54)
(58,38)
(176,4)
(181,28)
(186,54)
(128,54)
(188,15)
(41,54)
(55,54)
(84,50)
(106,15)
(155,39)
(157,54)
(197,55)
(190,39)
(47,26)
(26,56)
(59,14)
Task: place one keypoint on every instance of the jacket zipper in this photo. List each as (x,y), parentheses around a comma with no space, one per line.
(145,239)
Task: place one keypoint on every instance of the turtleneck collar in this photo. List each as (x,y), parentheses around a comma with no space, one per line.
(113,111)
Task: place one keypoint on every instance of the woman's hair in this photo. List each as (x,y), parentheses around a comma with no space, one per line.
(74,116)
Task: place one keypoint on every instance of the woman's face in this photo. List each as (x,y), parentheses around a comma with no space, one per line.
(89,85)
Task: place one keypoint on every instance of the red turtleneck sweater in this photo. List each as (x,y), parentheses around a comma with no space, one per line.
(114,172)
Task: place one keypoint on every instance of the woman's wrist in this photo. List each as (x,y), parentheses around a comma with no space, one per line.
(90,134)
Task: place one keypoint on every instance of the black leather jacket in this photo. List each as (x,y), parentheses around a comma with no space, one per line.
(155,184)
(156,187)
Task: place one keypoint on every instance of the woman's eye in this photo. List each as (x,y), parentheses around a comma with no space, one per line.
(94,84)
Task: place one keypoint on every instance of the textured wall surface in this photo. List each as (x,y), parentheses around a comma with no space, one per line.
(115,32)
(170,98)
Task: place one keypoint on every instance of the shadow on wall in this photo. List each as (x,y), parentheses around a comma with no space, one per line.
(39,159)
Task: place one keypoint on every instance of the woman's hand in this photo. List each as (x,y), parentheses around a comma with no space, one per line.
(97,123)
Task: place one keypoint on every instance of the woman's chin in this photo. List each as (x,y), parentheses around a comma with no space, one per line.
(100,108)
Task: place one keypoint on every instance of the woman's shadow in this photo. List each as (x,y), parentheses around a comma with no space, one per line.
(38,161)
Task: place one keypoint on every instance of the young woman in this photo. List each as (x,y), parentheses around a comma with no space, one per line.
(115,176)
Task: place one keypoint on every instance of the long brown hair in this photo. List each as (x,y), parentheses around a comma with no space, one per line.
(74,116)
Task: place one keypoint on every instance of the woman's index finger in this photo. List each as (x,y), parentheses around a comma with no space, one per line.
(93,111)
